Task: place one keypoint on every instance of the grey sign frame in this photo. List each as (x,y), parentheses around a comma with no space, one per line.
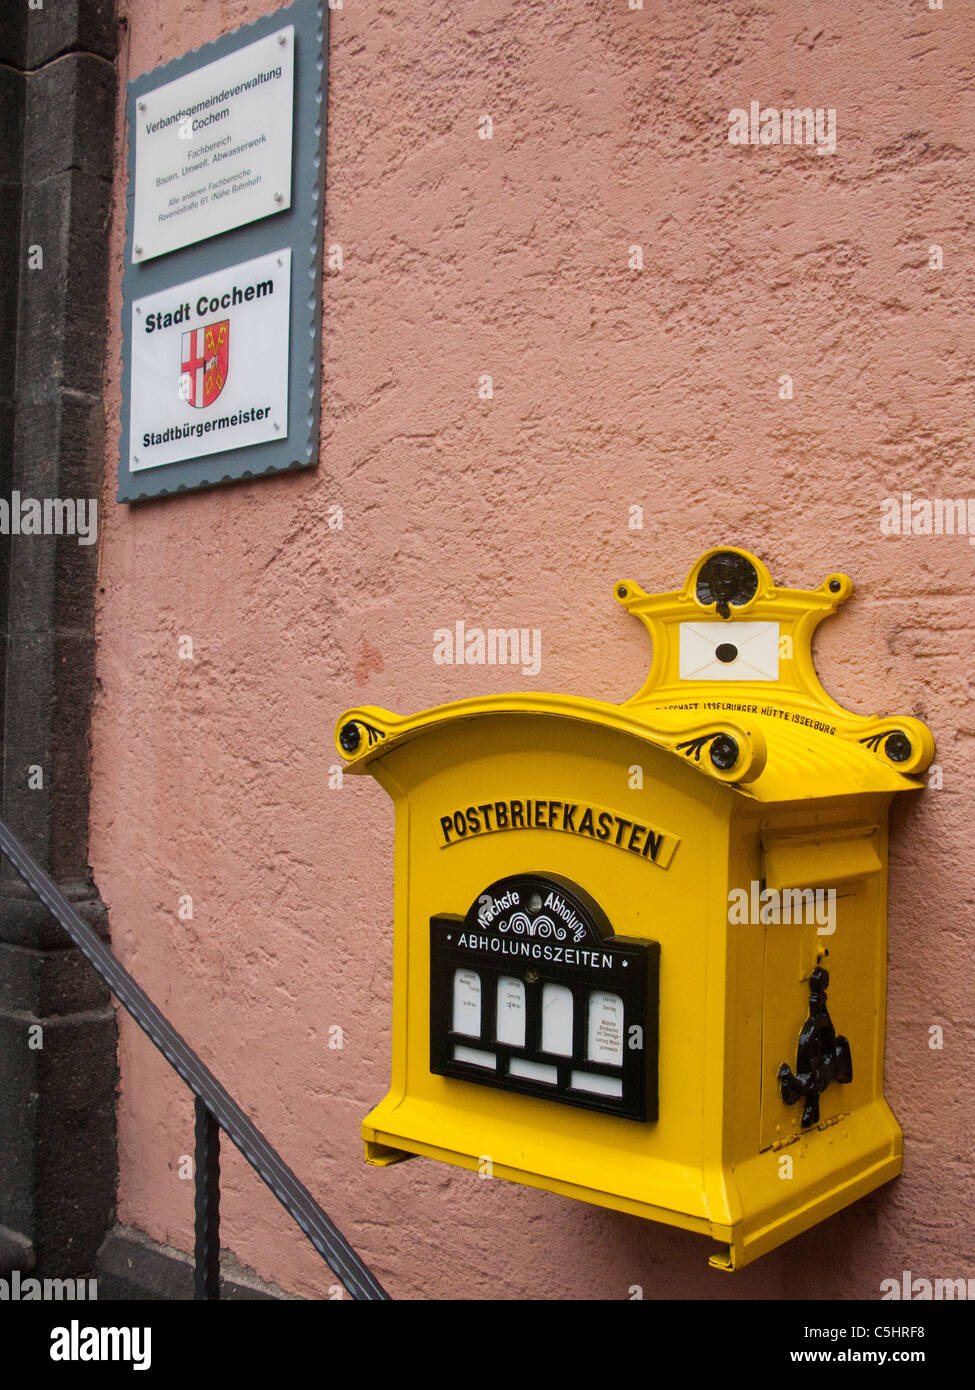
(301,226)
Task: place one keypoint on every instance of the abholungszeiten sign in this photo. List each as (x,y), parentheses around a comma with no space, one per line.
(210,363)
(533,992)
(213,148)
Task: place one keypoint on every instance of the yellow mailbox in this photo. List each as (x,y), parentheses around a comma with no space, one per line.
(640,949)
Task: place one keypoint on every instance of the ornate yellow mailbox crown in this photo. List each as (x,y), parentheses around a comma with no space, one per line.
(640,949)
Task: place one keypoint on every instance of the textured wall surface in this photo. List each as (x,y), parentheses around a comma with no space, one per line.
(613,387)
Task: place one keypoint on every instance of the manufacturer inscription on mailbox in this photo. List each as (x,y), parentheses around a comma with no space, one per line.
(532,991)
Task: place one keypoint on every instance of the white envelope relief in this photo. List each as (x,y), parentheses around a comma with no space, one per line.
(729,651)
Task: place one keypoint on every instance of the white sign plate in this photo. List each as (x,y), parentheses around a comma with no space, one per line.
(210,363)
(213,149)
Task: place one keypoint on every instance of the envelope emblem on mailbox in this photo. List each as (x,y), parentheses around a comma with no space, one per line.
(729,651)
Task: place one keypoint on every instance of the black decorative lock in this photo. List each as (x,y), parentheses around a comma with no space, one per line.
(821,1056)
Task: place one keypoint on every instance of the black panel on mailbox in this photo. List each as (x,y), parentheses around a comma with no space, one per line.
(532,992)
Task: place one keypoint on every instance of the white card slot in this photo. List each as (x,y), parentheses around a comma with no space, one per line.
(605,1028)
(533,1071)
(557,1019)
(467,1003)
(475,1056)
(512,1011)
(598,1085)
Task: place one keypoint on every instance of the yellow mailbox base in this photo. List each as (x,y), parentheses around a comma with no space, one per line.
(833,1166)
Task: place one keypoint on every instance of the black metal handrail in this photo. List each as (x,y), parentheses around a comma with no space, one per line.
(216,1109)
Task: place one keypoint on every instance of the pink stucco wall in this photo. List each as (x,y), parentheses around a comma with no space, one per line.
(612,387)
